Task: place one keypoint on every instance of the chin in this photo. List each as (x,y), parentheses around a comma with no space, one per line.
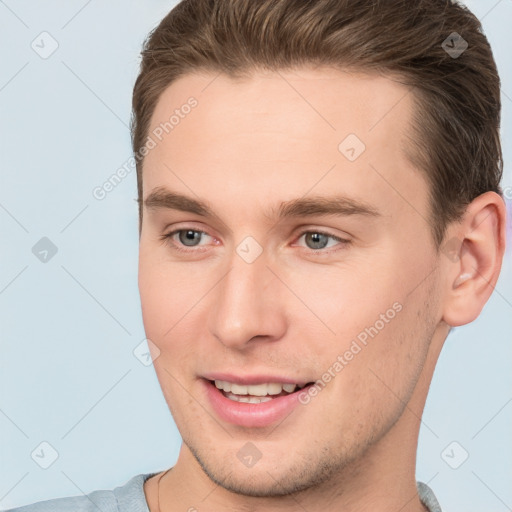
(260,483)
(269,478)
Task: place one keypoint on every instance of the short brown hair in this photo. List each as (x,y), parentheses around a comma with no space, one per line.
(455,134)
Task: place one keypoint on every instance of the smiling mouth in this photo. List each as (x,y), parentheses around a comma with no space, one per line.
(256,393)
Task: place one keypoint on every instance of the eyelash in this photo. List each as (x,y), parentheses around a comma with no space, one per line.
(167,238)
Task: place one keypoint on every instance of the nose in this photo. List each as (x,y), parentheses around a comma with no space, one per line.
(247,305)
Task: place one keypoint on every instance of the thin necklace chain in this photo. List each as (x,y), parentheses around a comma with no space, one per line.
(158,489)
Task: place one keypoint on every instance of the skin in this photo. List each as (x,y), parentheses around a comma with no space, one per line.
(248,146)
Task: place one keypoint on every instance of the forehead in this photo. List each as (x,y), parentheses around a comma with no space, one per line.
(285,132)
(328,103)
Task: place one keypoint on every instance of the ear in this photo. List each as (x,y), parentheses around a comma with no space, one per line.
(472,258)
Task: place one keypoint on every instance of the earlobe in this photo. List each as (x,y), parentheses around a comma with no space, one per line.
(474,270)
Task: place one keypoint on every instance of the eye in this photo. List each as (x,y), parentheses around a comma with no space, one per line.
(188,240)
(185,238)
(318,240)
(189,237)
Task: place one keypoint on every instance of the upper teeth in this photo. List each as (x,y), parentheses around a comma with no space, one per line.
(272,388)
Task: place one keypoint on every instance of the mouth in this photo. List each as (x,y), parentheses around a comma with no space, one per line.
(256,393)
(253,405)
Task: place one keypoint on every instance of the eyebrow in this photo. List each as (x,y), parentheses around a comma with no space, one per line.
(161,198)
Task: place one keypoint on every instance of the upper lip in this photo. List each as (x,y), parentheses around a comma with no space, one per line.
(248,380)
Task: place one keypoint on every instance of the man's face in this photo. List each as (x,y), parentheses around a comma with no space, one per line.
(245,295)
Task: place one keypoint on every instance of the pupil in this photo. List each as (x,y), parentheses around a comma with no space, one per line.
(189,237)
(318,240)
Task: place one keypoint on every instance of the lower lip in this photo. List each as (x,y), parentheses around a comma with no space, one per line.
(251,415)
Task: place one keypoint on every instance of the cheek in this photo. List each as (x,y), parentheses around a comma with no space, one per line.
(345,298)
(169,293)
(368,317)
(170,302)
(382,376)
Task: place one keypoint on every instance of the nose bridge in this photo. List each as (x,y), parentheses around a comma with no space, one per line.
(246,302)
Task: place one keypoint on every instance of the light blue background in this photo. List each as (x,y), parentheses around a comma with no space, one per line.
(68,374)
